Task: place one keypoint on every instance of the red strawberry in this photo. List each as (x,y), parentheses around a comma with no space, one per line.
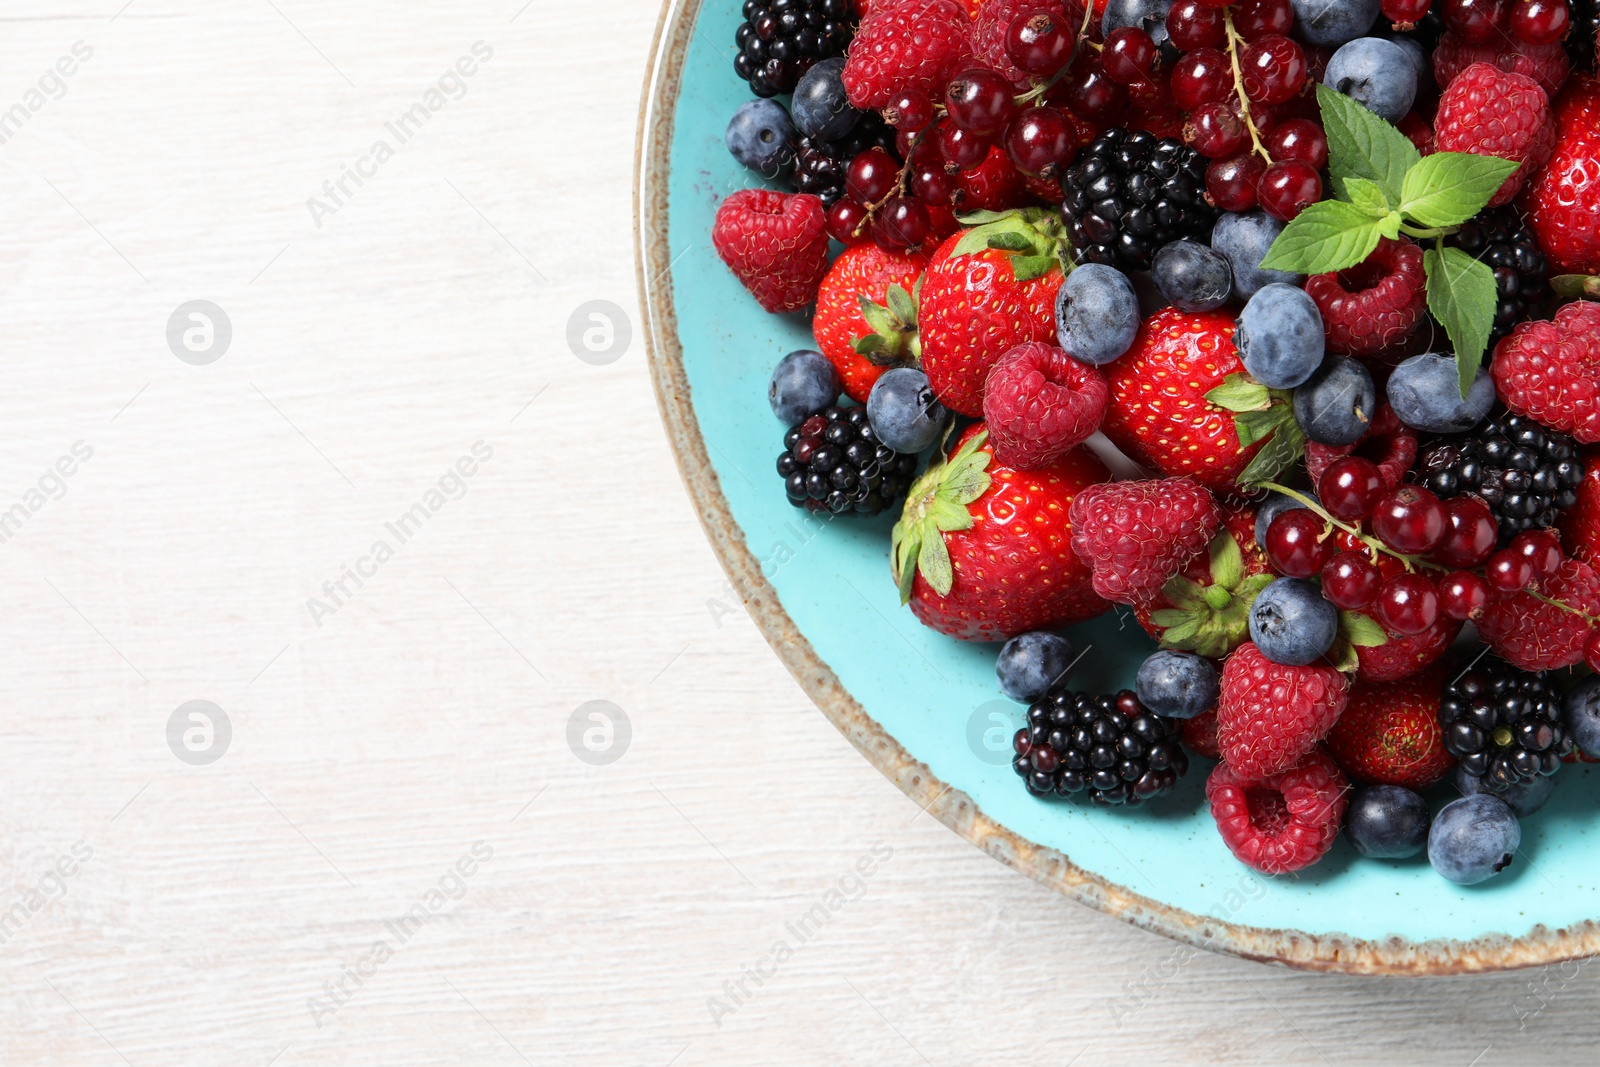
(1271,714)
(1489,112)
(777,245)
(1390,444)
(1550,371)
(978,302)
(1563,200)
(1039,402)
(1389,734)
(1530,633)
(1403,656)
(1206,607)
(1136,535)
(1580,524)
(1546,64)
(909,46)
(1285,822)
(861,326)
(983,552)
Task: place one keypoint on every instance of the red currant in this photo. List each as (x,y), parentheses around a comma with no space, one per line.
(1288,188)
(909,111)
(962,150)
(1274,69)
(1258,18)
(1300,140)
(1463,595)
(1233,184)
(1350,581)
(870,176)
(1193,25)
(902,224)
(1475,21)
(1591,650)
(1542,549)
(1508,572)
(979,101)
(845,219)
(1204,76)
(1407,604)
(1350,488)
(1129,55)
(1296,545)
(944,220)
(1409,519)
(932,185)
(1540,21)
(1042,141)
(1216,131)
(1405,13)
(1470,532)
(1095,96)
(1039,43)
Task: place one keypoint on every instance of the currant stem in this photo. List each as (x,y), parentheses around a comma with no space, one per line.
(1374,546)
(1235,42)
(1584,615)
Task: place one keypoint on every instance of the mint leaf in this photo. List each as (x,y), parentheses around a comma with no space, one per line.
(1324,237)
(1389,225)
(1361,145)
(1462,296)
(1448,188)
(1367,196)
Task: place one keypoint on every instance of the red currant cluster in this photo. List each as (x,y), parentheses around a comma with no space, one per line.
(1488,21)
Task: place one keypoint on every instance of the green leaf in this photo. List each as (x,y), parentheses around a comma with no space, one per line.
(1361,145)
(1343,657)
(1389,225)
(1327,236)
(1227,562)
(1367,196)
(1462,296)
(1240,392)
(905,557)
(1448,188)
(1571,287)
(1010,241)
(1183,631)
(1278,453)
(901,305)
(1165,617)
(1253,426)
(1183,592)
(1026,268)
(1361,630)
(933,560)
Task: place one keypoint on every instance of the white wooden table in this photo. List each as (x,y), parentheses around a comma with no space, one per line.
(401,746)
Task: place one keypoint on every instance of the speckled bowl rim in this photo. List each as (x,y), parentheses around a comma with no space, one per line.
(1313,952)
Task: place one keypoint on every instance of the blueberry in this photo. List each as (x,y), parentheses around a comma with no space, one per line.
(903,412)
(1291,623)
(1420,60)
(1192,276)
(1274,505)
(803,383)
(1333,22)
(1525,797)
(1335,405)
(1029,664)
(1387,822)
(1097,314)
(1244,239)
(1179,685)
(761,137)
(821,109)
(1473,838)
(1377,74)
(1147,15)
(1581,714)
(1425,392)
(1279,336)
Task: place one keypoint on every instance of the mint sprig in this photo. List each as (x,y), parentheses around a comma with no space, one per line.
(1386,188)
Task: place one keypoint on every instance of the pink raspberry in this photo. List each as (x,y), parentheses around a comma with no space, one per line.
(1489,112)
(1533,635)
(776,243)
(1546,64)
(1271,714)
(1283,823)
(910,46)
(1136,535)
(1376,303)
(1550,371)
(1039,402)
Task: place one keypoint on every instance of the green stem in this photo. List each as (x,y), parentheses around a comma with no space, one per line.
(1422,233)
(1374,546)
(1590,619)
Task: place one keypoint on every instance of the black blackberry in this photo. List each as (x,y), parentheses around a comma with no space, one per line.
(1526,473)
(1521,273)
(779,40)
(819,166)
(1504,725)
(1582,33)
(1130,193)
(1108,745)
(833,462)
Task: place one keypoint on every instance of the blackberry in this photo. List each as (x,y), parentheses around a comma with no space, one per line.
(1526,473)
(819,166)
(1582,33)
(779,40)
(1504,725)
(1129,194)
(833,462)
(1521,273)
(1108,745)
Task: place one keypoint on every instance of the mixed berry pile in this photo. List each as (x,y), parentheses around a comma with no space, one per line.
(1321,273)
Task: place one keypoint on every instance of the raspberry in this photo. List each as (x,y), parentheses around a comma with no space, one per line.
(1489,112)
(1402,656)
(1550,371)
(1389,443)
(1374,304)
(912,46)
(1282,823)
(990,28)
(777,245)
(1136,535)
(1272,714)
(1038,402)
(1563,199)
(1546,64)
(1530,633)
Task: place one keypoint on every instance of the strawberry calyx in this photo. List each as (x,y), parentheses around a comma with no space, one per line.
(1034,237)
(936,504)
(1211,620)
(1261,414)
(894,341)
(1356,630)
(1569,287)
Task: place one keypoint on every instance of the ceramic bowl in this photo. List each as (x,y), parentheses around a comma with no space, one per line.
(926,709)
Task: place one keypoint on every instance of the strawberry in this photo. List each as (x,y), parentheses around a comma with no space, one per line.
(1580,524)
(1271,714)
(909,46)
(1205,607)
(993,185)
(866,319)
(983,552)
(1563,200)
(1136,535)
(981,297)
(1550,371)
(776,243)
(1529,632)
(1179,398)
(1389,734)
(1402,656)
(1491,112)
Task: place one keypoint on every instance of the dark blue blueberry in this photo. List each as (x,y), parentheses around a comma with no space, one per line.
(1425,392)
(761,137)
(1179,685)
(1581,714)
(1473,838)
(1335,405)
(903,411)
(1375,73)
(1333,22)
(1387,822)
(1279,336)
(1097,314)
(1029,664)
(1245,239)
(1192,276)
(1525,797)
(1291,623)
(803,383)
(821,109)
(1147,15)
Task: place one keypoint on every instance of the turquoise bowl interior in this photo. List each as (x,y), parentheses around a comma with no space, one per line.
(836,610)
